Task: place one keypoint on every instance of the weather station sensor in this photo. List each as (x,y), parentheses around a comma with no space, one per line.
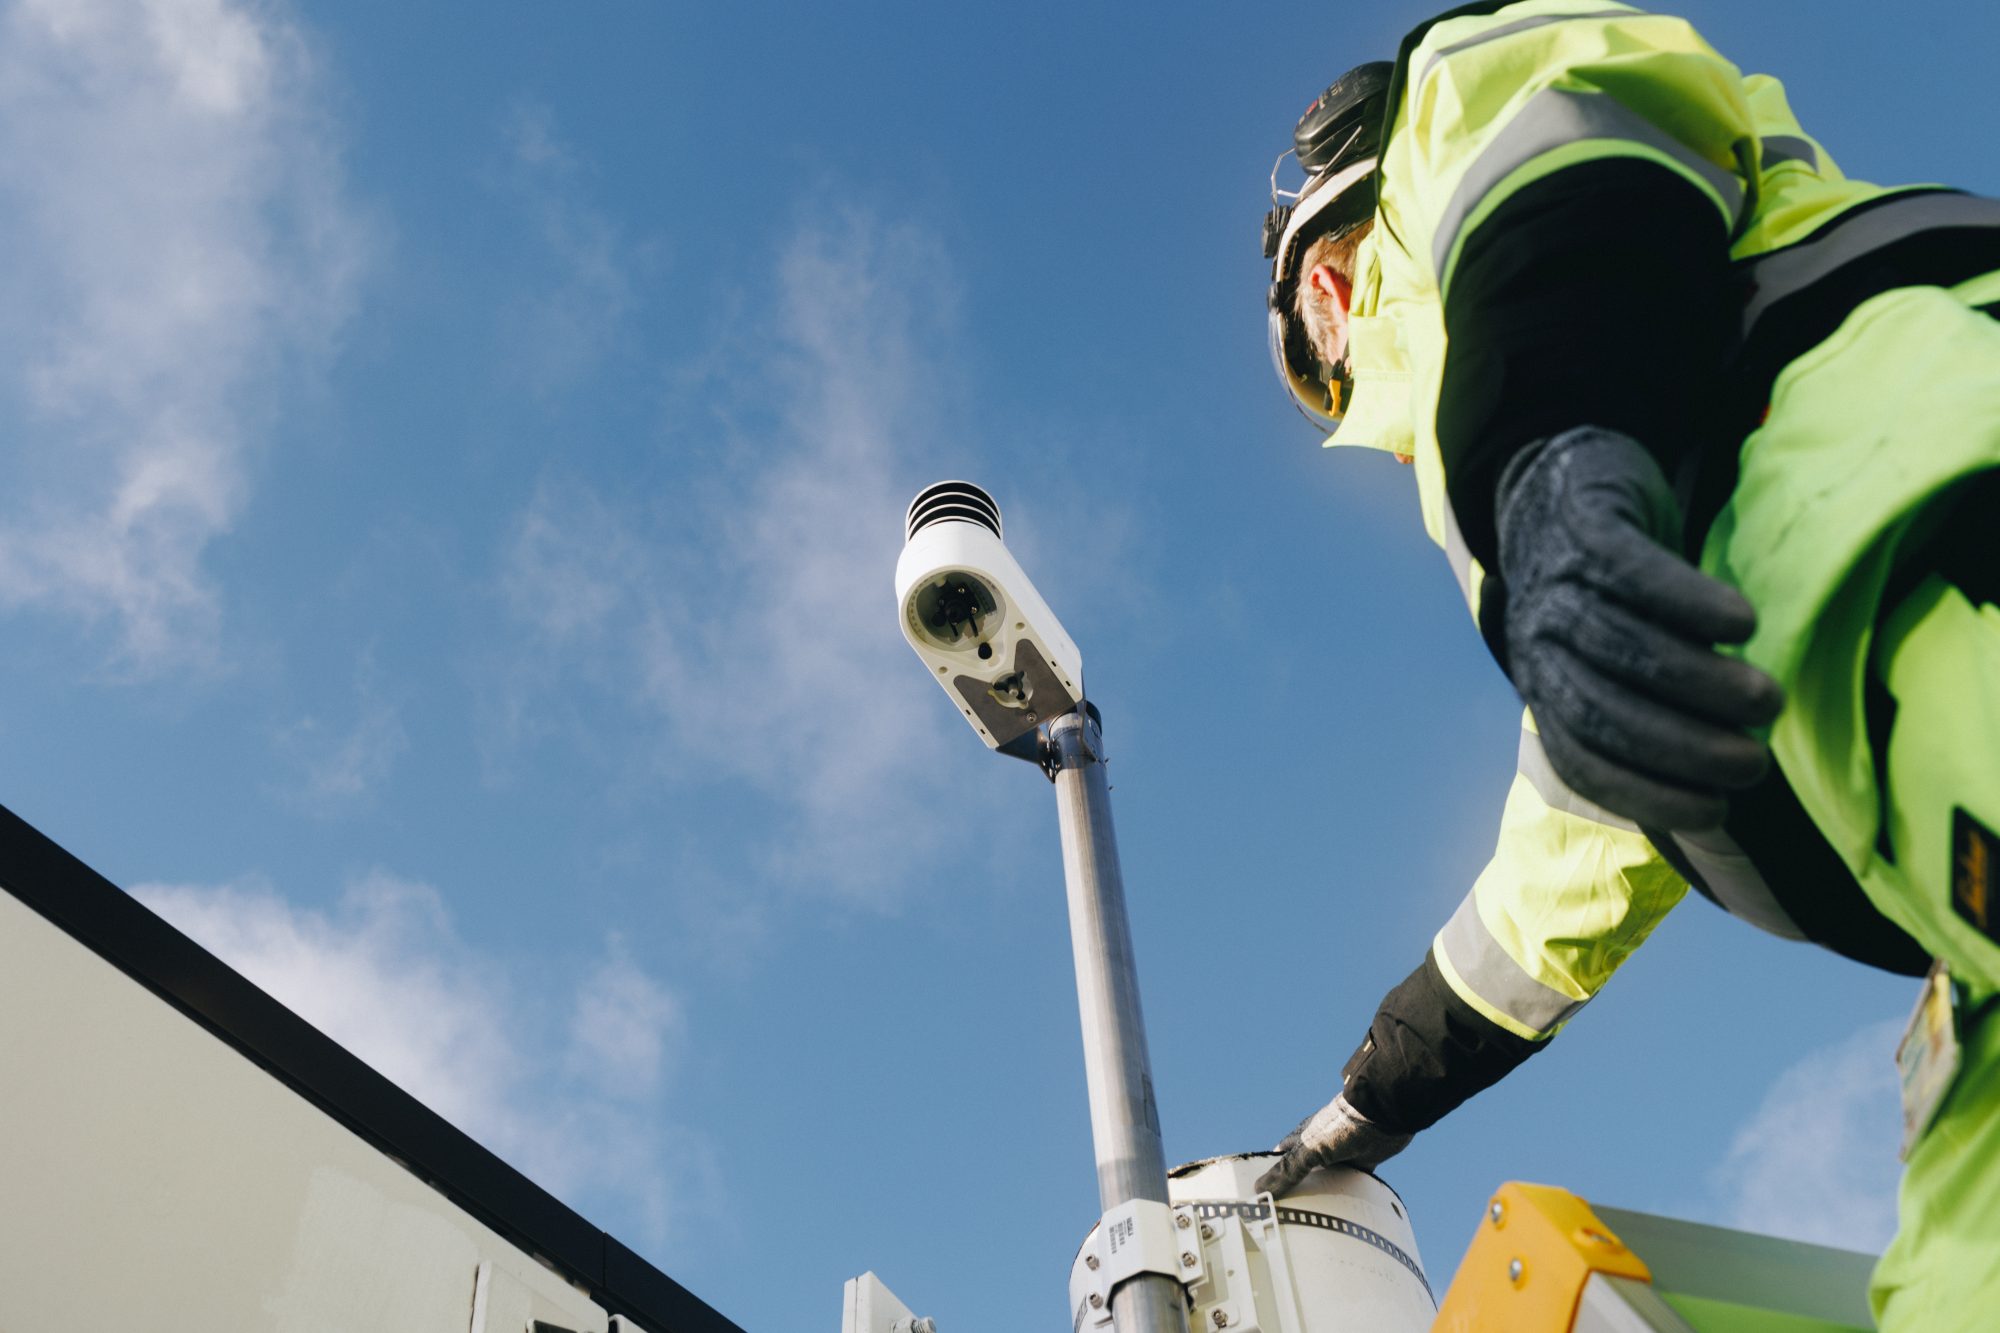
(977,622)
(1203,1250)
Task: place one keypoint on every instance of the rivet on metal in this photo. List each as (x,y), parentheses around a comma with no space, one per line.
(1187,1261)
(1514,1271)
(1182,1221)
(1090,1261)
(1496,1212)
(1207,1231)
(1096,1301)
(1221,1318)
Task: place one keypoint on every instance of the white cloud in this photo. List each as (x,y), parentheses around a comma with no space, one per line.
(342,767)
(173,241)
(573,567)
(1817,1162)
(623,1027)
(755,620)
(580,1108)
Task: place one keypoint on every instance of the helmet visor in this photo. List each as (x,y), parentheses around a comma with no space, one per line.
(1314,399)
(1333,202)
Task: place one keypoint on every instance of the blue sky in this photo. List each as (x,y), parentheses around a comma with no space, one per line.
(454,464)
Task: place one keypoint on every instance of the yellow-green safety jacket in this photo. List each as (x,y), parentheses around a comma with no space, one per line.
(1586,214)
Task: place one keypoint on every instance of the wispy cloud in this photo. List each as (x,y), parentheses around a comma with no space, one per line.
(340,767)
(174,239)
(579,1104)
(563,328)
(753,619)
(623,1027)
(1817,1162)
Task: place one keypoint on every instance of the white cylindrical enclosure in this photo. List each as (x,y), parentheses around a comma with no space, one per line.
(977,622)
(1339,1256)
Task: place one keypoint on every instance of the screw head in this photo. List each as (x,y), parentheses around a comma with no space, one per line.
(1181,1220)
(1090,1261)
(1220,1318)
(1514,1271)
(1496,1212)
(1207,1231)
(1096,1301)
(1187,1261)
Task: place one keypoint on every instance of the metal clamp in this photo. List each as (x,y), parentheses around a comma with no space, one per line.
(1088,725)
(1272,1242)
(1138,1236)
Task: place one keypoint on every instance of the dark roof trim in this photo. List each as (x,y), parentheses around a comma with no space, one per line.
(115,926)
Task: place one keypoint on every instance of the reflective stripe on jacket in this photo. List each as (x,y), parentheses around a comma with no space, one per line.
(1528,961)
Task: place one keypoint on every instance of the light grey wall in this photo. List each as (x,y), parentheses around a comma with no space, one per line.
(152,1178)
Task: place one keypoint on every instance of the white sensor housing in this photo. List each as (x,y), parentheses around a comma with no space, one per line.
(977,622)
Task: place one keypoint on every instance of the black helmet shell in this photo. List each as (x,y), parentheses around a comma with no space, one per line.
(1344,123)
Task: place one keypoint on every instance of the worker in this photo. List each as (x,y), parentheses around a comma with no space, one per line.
(1710,435)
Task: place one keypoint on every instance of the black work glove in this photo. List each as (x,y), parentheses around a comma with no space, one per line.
(1610,634)
(1334,1135)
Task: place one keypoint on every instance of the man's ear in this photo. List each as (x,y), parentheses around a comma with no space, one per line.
(1329,281)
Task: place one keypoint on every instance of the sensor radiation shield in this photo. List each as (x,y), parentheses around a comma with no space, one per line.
(971,614)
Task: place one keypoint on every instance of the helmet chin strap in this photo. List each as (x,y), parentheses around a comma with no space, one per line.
(1339,381)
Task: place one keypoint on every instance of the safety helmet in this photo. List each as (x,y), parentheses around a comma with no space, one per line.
(1338,143)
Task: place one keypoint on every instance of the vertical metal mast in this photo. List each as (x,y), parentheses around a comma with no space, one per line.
(1006,663)
(1124,1120)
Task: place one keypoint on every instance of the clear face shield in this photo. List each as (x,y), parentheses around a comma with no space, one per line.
(1332,203)
(1337,144)
(1321,398)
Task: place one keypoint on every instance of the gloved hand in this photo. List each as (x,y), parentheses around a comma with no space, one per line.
(1334,1135)
(1610,634)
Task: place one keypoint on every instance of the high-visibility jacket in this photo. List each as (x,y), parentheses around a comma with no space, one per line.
(1602,221)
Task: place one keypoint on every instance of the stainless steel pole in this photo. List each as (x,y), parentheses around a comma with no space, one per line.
(1124,1120)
